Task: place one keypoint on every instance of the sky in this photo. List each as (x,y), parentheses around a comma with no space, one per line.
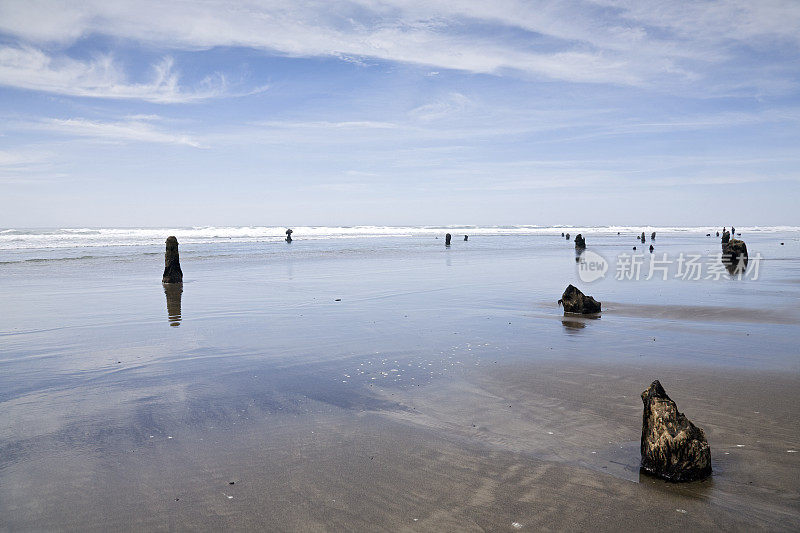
(399,112)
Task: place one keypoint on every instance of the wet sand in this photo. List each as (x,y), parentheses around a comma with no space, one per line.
(543,446)
(435,395)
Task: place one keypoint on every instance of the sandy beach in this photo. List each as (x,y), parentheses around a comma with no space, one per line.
(390,384)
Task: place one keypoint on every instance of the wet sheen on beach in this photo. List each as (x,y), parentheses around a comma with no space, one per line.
(390,383)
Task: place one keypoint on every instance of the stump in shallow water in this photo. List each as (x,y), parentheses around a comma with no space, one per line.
(734,256)
(574,301)
(672,447)
(447,239)
(172,265)
(580,242)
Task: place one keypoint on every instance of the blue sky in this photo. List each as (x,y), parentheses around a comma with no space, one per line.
(152,113)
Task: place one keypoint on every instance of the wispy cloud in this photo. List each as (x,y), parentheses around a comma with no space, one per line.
(126,130)
(328,125)
(26,165)
(18,159)
(26,67)
(453,103)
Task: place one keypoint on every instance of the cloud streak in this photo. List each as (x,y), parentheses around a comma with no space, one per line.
(26,67)
(127,130)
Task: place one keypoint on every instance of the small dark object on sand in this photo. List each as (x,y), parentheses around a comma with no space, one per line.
(634,248)
(781,244)
(709,235)
(672,447)
(717,234)
(617,233)
(562,233)
(466,237)
(289,235)
(574,301)
(172,264)
(651,248)
(580,242)
(231,482)
(447,239)
(338,300)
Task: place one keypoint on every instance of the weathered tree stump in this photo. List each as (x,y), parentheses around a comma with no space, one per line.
(672,447)
(574,301)
(172,264)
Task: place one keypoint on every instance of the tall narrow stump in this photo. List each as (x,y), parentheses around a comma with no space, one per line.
(172,266)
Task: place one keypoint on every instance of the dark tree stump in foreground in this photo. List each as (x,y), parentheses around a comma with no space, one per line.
(672,447)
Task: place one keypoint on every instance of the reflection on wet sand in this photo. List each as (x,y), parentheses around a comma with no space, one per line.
(173,292)
(705,313)
(572,325)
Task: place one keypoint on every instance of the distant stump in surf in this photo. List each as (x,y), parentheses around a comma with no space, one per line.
(466,237)
(567,236)
(289,235)
(672,447)
(574,301)
(642,237)
(172,265)
(447,239)
(580,242)
(734,256)
(726,236)
(651,248)
(653,236)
